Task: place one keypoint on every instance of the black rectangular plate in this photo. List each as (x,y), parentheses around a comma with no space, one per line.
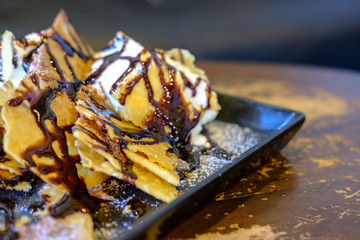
(277,125)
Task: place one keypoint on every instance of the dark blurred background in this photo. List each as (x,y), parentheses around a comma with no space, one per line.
(316,32)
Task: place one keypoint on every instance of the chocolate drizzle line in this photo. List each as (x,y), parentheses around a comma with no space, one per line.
(25,176)
(74,84)
(68,49)
(99,111)
(27,60)
(39,101)
(64,167)
(1,68)
(70,30)
(118,144)
(167,113)
(93,136)
(172,110)
(6,209)
(15,56)
(7,206)
(79,202)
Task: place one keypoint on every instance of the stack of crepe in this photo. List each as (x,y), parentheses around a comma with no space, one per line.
(39,77)
(66,121)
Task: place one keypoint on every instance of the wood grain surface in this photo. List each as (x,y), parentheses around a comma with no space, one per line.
(311,190)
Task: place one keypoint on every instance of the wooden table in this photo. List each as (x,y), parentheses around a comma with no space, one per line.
(312,189)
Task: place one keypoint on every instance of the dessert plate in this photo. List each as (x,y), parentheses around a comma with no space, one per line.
(246,129)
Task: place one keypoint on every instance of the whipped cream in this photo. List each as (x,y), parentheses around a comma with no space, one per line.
(200,100)
(12,54)
(111,73)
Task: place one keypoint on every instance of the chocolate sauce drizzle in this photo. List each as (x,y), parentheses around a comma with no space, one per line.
(171,111)
(100,111)
(1,71)
(6,209)
(64,167)
(27,60)
(25,176)
(79,200)
(118,144)
(15,56)
(83,53)
(191,154)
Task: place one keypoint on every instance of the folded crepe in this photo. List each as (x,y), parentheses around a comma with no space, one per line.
(40,75)
(13,174)
(156,90)
(109,144)
(38,116)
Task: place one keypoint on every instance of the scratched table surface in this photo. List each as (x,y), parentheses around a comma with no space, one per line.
(311,190)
